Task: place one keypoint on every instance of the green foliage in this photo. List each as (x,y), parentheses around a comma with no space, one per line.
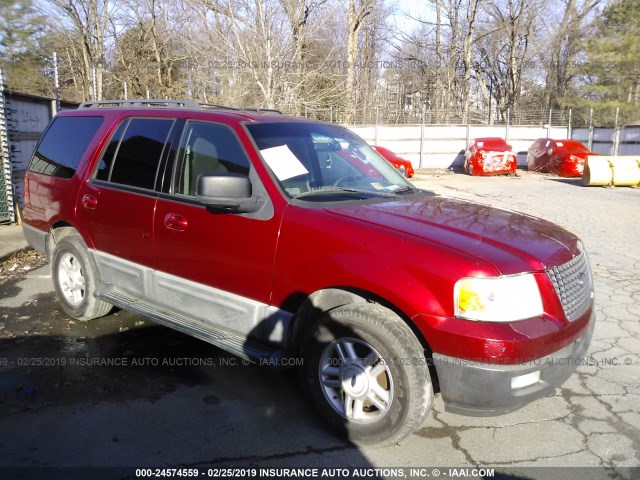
(611,72)
(19,25)
(21,29)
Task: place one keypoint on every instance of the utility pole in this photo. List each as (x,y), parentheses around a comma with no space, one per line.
(56,81)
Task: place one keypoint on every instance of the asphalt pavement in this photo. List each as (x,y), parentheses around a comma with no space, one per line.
(12,241)
(123,392)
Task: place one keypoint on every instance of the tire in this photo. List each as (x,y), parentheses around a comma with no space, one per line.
(366,372)
(75,279)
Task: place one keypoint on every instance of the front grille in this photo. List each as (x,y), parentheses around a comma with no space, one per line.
(573,285)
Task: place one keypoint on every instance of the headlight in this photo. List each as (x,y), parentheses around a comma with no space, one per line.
(497,299)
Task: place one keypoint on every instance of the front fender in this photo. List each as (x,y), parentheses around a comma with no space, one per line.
(318,250)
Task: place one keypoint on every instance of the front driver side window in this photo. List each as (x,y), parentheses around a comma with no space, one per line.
(207,148)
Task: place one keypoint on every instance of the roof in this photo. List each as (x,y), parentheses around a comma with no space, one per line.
(181,109)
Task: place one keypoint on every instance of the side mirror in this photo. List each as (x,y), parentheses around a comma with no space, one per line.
(226,192)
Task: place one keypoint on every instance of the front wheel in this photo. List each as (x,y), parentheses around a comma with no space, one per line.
(366,372)
(75,278)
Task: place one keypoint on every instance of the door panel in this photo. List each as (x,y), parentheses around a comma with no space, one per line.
(117,206)
(119,222)
(230,252)
(233,253)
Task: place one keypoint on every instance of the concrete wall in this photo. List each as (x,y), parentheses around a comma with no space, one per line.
(443,146)
(603,140)
(630,140)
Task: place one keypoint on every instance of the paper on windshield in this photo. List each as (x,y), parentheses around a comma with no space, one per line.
(283,162)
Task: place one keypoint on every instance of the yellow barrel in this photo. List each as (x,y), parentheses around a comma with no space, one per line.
(597,172)
(620,171)
(626,171)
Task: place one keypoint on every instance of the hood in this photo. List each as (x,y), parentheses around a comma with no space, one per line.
(498,148)
(512,242)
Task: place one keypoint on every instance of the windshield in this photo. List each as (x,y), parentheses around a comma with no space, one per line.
(320,161)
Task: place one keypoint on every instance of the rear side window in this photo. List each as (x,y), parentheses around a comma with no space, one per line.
(104,167)
(63,145)
(133,154)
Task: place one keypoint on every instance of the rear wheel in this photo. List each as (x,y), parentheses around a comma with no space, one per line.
(75,279)
(366,372)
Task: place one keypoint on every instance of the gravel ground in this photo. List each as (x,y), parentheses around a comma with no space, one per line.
(18,265)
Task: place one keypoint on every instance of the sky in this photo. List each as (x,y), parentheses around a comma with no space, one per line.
(410,8)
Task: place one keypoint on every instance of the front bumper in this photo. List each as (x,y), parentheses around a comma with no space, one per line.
(492,163)
(485,389)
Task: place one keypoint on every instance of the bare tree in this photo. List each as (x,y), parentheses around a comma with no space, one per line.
(84,23)
(503,50)
(467,55)
(444,50)
(300,14)
(439,100)
(357,12)
(148,54)
(373,40)
(565,42)
(289,54)
(249,36)
(267,53)
(431,61)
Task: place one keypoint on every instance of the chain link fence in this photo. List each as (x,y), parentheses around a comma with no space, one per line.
(603,131)
(7,214)
(535,117)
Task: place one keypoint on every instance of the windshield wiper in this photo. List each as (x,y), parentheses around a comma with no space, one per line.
(343,191)
(403,190)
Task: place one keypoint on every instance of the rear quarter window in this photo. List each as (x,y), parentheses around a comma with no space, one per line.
(63,145)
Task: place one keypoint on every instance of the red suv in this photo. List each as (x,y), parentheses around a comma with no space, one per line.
(254,232)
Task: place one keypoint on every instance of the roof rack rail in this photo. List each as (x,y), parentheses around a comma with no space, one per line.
(239,109)
(140,103)
(170,103)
